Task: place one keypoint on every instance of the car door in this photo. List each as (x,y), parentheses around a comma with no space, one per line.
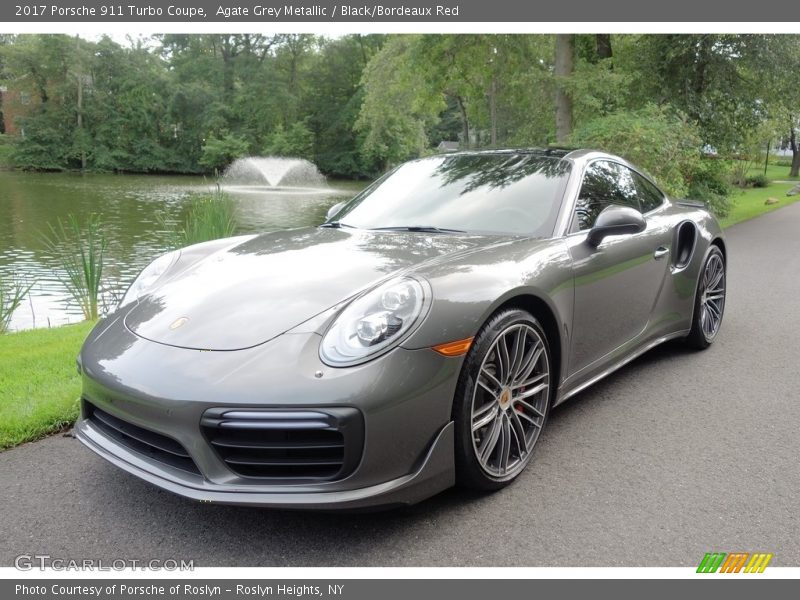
(617,282)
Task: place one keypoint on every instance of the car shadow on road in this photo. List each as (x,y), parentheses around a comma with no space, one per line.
(671,354)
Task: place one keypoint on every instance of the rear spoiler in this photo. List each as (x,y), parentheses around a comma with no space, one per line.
(691,203)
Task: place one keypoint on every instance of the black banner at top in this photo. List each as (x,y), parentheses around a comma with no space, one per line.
(384,11)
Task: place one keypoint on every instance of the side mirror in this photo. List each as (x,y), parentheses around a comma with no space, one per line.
(616,220)
(333,210)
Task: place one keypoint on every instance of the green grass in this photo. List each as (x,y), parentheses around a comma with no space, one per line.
(210,217)
(80,248)
(749,203)
(774,172)
(39,385)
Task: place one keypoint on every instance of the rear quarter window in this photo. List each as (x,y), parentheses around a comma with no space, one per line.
(650,196)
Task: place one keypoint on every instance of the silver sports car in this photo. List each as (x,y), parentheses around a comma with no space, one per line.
(418,338)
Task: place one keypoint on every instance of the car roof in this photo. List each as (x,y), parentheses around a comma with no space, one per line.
(578,156)
(557,152)
(562,152)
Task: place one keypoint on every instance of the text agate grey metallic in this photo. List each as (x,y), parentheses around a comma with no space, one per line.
(214,384)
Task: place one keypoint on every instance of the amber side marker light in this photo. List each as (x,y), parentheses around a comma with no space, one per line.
(456,348)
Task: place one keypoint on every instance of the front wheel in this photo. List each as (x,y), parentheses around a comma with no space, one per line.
(502,400)
(709,303)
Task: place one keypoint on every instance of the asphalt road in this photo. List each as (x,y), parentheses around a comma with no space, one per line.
(678,454)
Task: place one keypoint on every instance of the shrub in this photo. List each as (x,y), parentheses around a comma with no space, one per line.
(6,151)
(218,153)
(709,181)
(662,141)
(296,142)
(80,250)
(210,217)
(12,293)
(757,181)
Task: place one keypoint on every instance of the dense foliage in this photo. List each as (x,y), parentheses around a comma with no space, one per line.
(357,104)
(666,142)
(187,103)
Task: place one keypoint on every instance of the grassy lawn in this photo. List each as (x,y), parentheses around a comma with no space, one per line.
(39,385)
(749,203)
(774,172)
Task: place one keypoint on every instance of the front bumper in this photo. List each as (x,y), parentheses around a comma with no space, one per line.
(434,475)
(405,398)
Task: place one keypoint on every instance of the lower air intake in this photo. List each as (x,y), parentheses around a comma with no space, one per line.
(287,445)
(153,445)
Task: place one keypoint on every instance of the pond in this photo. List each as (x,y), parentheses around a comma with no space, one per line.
(131,208)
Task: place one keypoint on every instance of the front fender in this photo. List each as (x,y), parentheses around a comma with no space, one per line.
(468,291)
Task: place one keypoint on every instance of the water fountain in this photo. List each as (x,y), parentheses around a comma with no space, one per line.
(274,174)
(275,192)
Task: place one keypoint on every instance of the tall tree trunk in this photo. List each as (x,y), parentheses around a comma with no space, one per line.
(795,170)
(702,62)
(364,59)
(79,77)
(80,119)
(493,110)
(603,45)
(464,121)
(228,54)
(565,49)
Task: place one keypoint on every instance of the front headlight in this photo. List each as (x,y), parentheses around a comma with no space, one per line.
(376,322)
(149,277)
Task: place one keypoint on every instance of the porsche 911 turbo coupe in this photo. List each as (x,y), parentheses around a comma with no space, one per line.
(418,338)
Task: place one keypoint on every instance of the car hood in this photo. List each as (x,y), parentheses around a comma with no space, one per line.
(251,292)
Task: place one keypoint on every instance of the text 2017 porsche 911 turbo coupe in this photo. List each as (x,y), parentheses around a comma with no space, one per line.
(416,339)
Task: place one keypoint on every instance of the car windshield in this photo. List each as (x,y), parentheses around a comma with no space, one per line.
(477,193)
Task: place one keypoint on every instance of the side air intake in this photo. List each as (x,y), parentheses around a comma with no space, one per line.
(685,241)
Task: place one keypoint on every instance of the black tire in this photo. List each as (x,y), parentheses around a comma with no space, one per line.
(469,471)
(699,336)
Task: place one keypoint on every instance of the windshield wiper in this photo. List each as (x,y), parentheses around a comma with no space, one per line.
(337,225)
(420,228)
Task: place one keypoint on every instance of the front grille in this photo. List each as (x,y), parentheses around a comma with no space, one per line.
(287,445)
(153,445)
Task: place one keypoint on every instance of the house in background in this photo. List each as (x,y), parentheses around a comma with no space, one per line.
(445,146)
(13,104)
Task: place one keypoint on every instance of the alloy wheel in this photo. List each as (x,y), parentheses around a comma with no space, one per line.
(712,302)
(510,400)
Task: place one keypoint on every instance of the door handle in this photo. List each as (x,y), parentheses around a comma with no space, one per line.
(660,251)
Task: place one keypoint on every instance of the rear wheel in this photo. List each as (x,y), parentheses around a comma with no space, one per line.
(502,400)
(709,304)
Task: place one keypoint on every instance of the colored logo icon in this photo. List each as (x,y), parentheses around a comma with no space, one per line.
(735,562)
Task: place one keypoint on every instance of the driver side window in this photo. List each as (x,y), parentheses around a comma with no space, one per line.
(604,183)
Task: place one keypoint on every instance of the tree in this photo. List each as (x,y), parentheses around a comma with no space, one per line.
(476,75)
(603,46)
(564,66)
(296,142)
(218,153)
(396,107)
(598,86)
(715,79)
(359,103)
(493,86)
(334,102)
(780,79)
(664,142)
